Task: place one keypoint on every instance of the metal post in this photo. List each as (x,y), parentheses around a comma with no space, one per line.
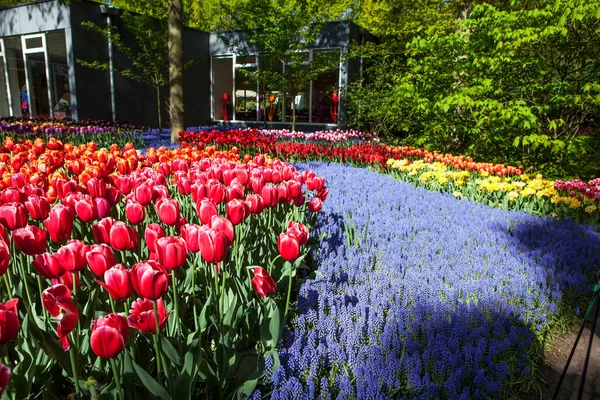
(111,69)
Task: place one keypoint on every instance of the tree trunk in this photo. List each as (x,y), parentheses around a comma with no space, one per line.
(158,106)
(177,112)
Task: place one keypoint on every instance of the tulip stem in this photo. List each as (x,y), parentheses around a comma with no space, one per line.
(193,268)
(31,305)
(74,368)
(176,303)
(39,281)
(289,292)
(117,379)
(8,286)
(157,338)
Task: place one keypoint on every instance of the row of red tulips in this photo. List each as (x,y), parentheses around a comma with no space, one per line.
(200,237)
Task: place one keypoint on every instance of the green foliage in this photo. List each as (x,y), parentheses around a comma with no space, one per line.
(510,83)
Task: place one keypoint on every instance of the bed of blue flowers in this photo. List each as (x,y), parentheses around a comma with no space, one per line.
(421,295)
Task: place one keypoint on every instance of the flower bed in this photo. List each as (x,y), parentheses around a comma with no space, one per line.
(421,295)
(199,249)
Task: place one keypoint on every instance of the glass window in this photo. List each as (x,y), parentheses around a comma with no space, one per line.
(245,60)
(298,95)
(59,74)
(34,43)
(13,52)
(223,88)
(245,95)
(4,110)
(325,89)
(39,104)
(272,104)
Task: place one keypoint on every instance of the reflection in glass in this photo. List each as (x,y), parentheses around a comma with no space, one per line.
(223,88)
(33,43)
(245,96)
(272,68)
(16,76)
(4,111)
(38,85)
(59,74)
(323,87)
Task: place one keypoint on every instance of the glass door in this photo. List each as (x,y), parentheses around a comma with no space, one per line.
(5,106)
(37,71)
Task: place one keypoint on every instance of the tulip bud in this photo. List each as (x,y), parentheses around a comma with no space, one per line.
(31,240)
(288,247)
(117,282)
(9,321)
(167,210)
(237,211)
(135,212)
(13,215)
(149,280)
(123,237)
(101,230)
(59,223)
(151,234)
(72,256)
(100,258)
(171,252)
(262,282)
(109,335)
(315,205)
(189,233)
(142,317)
(48,265)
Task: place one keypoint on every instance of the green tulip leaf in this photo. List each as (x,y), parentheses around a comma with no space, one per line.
(149,383)
(170,351)
(186,381)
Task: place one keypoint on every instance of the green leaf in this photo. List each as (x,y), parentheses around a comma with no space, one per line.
(170,351)
(149,383)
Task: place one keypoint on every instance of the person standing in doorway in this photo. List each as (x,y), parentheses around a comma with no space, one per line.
(24,101)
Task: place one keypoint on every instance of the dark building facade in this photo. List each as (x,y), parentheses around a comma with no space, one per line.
(40,76)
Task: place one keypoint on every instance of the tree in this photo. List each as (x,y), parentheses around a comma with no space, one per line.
(176,67)
(281,32)
(149,57)
(514,82)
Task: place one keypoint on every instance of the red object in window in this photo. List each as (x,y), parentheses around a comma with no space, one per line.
(334,99)
(226,99)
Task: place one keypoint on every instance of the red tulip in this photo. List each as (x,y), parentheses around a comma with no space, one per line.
(216,192)
(109,334)
(123,237)
(48,266)
(13,215)
(237,211)
(152,233)
(288,247)
(213,244)
(4,257)
(58,302)
(96,187)
(4,236)
(12,195)
(299,201)
(235,191)
(224,225)
(206,208)
(123,184)
(299,232)
(135,212)
(269,195)
(198,191)
(4,378)
(86,209)
(143,194)
(322,194)
(72,256)
(258,182)
(31,240)
(190,233)
(315,205)
(294,188)
(117,282)
(9,321)
(67,280)
(141,315)
(171,252)
(101,230)
(38,207)
(167,210)
(283,194)
(262,282)
(59,223)
(184,185)
(159,192)
(149,280)
(255,202)
(103,206)
(100,258)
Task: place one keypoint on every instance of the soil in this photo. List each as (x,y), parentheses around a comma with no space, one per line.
(555,358)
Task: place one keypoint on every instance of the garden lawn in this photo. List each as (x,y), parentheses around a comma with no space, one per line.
(422,295)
